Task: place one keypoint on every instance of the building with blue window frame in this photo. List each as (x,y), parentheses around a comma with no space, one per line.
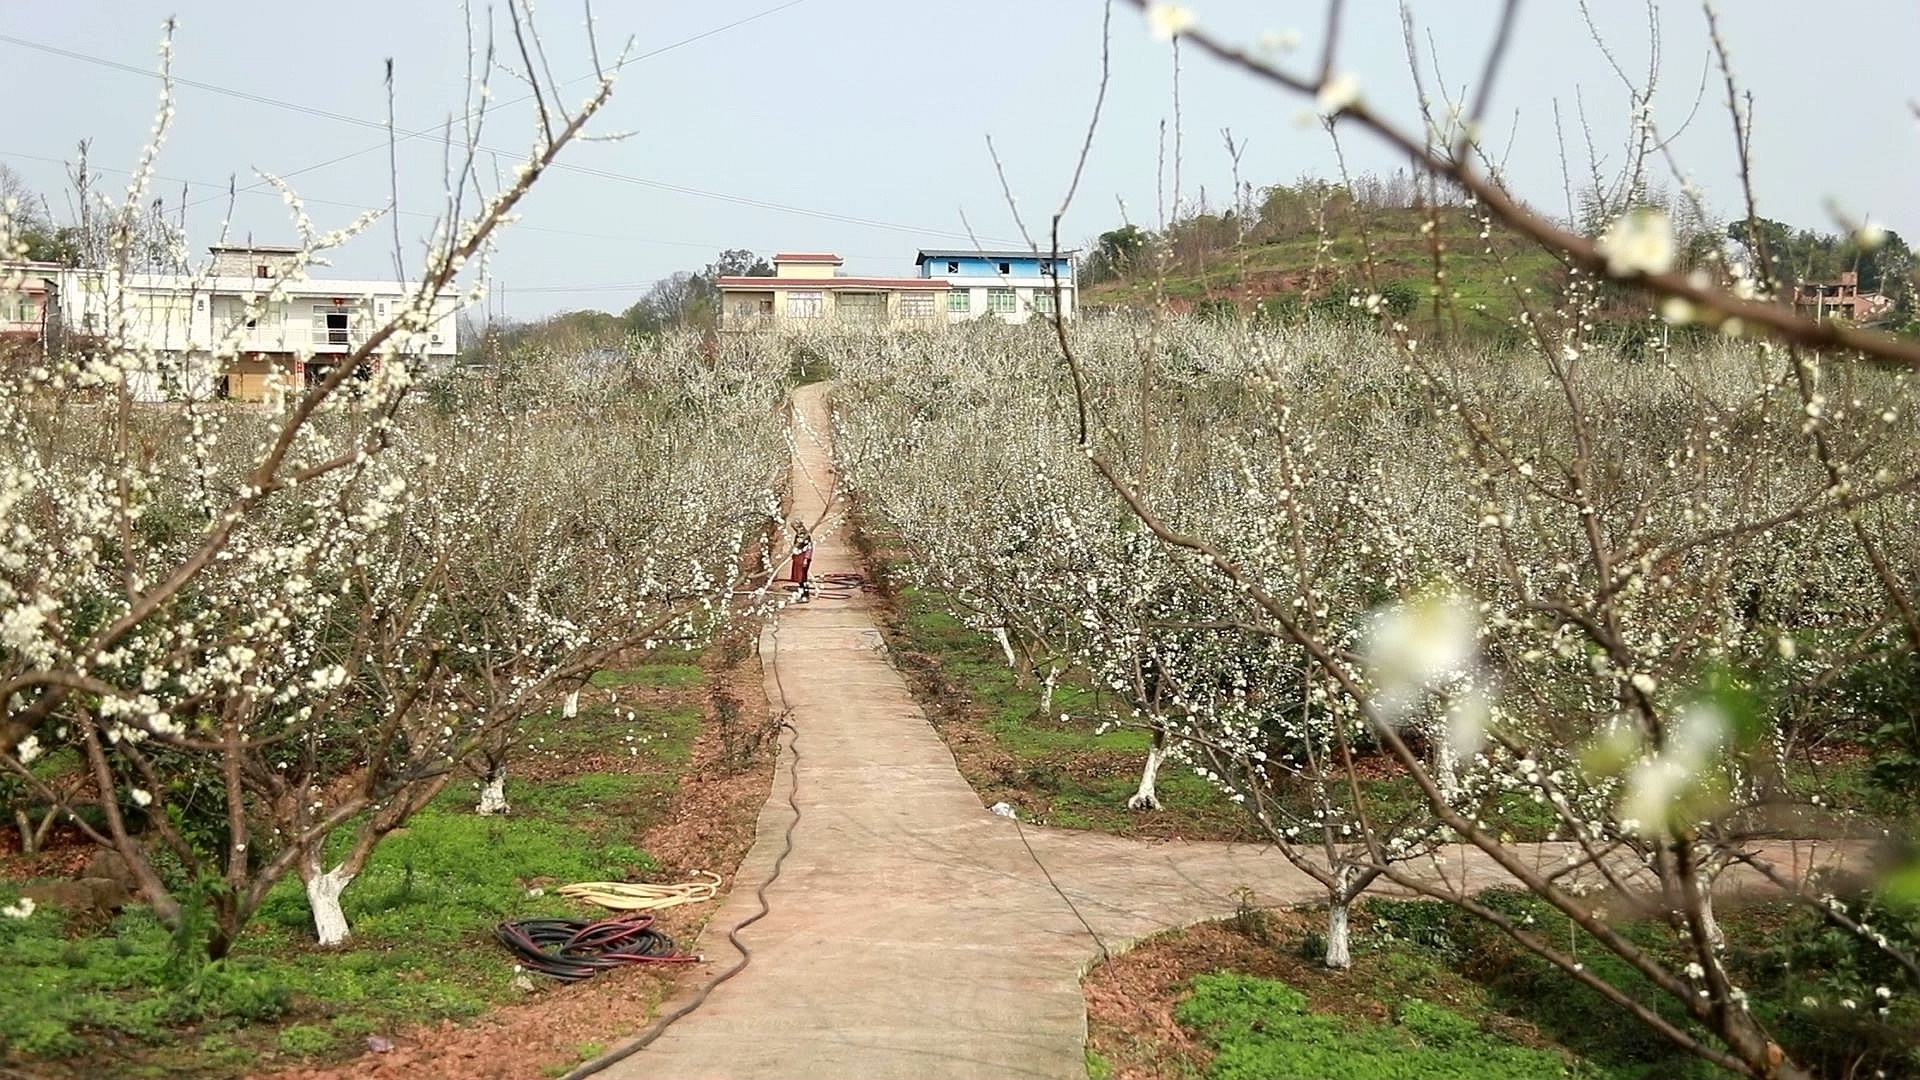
(808,290)
(1012,285)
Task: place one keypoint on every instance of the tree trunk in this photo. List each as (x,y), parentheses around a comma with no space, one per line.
(493,796)
(1716,937)
(1446,764)
(572,707)
(1146,798)
(1006,646)
(323,897)
(1339,957)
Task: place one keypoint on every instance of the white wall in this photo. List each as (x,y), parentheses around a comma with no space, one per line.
(177,313)
(1024,289)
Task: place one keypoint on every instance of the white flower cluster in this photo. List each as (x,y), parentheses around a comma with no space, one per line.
(1609,533)
(404,585)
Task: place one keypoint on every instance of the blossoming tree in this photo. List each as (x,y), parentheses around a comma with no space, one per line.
(263,637)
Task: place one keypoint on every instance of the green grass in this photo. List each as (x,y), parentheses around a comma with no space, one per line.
(1065,770)
(1060,767)
(1262,1029)
(1480,299)
(1506,980)
(1434,992)
(422,914)
(1847,785)
(664,675)
(1785,957)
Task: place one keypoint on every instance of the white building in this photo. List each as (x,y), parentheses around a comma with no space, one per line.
(808,290)
(243,309)
(1010,285)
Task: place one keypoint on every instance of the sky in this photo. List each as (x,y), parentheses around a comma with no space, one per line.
(874,128)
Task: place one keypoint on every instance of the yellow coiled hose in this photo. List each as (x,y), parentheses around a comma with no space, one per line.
(636,896)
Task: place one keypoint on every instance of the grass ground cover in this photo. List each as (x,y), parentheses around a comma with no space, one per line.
(1281,272)
(115,997)
(1434,993)
(1073,767)
(1068,765)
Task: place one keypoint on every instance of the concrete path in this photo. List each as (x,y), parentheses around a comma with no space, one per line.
(913,934)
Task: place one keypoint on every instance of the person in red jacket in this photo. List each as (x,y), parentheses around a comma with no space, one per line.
(802,559)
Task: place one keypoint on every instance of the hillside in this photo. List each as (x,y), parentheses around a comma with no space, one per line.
(1286,265)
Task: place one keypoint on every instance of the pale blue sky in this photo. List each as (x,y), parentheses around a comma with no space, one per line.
(860,126)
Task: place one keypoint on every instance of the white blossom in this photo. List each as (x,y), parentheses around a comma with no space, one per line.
(1168,21)
(1638,242)
(1416,646)
(1341,91)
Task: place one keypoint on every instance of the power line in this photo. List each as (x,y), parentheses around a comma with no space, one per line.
(378,125)
(640,181)
(524,98)
(639,286)
(360,207)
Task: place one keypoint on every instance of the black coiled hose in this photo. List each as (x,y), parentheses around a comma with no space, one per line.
(573,949)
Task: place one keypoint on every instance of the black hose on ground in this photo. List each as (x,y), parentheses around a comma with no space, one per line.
(849,583)
(660,1026)
(575,949)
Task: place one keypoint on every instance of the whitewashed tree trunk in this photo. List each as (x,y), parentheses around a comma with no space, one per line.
(323,897)
(1716,937)
(29,844)
(1006,646)
(1046,691)
(493,795)
(1339,902)
(572,708)
(1146,798)
(1339,956)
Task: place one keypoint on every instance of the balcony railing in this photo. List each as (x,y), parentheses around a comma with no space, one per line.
(337,339)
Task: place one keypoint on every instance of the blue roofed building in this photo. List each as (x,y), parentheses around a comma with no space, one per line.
(1011,285)
(808,290)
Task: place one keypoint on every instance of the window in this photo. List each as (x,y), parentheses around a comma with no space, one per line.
(953,266)
(805,305)
(331,326)
(960,300)
(260,271)
(916,305)
(1043,301)
(1002,301)
(18,307)
(865,307)
(1006,269)
(1046,267)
